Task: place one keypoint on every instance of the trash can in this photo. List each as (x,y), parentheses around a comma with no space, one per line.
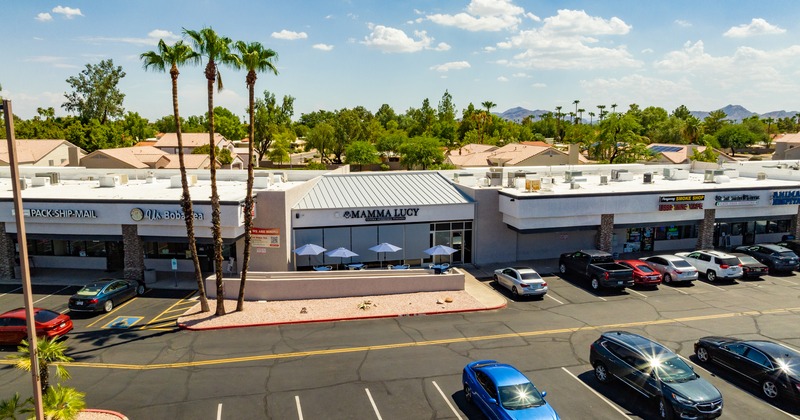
(149,275)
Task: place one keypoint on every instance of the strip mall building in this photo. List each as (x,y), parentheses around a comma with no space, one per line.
(131,220)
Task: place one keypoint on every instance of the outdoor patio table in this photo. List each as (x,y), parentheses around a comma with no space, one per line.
(323,268)
(355,266)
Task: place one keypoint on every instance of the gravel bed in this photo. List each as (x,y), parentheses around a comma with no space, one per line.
(279,312)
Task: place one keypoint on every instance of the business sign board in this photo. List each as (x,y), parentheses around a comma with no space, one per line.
(263,238)
(681,202)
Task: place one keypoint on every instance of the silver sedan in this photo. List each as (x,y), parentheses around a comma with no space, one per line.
(521,281)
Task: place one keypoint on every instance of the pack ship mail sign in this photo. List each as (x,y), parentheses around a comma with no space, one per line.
(681,202)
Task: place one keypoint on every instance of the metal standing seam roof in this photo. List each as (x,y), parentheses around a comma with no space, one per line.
(394,189)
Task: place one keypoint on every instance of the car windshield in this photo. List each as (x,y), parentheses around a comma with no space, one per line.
(645,268)
(45,316)
(530,276)
(729,261)
(90,289)
(786,254)
(681,264)
(672,369)
(518,397)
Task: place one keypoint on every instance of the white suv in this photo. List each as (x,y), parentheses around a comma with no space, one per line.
(714,264)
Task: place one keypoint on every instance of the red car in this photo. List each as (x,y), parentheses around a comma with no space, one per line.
(48,324)
(643,274)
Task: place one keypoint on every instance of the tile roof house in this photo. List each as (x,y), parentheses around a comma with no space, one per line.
(514,154)
(189,161)
(786,146)
(43,153)
(168,142)
(681,153)
(142,157)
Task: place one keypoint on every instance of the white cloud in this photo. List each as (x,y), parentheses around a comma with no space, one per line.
(484,15)
(453,65)
(393,40)
(634,87)
(539,85)
(44,17)
(289,35)
(502,79)
(567,40)
(442,46)
(164,34)
(68,12)
(647,51)
(683,23)
(489,49)
(54,61)
(520,75)
(322,47)
(757,26)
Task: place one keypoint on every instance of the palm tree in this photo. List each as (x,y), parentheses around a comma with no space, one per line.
(602,109)
(10,408)
(558,123)
(49,352)
(613,108)
(254,57)
(488,105)
(580,114)
(576,102)
(217,50)
(63,403)
(591,117)
(168,58)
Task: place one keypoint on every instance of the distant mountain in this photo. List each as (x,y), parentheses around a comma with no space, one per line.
(733,112)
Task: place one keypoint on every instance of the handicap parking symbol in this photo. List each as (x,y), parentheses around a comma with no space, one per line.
(123,322)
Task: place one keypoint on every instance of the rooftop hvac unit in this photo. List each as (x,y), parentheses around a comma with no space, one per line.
(711,173)
(569,175)
(721,179)
(495,178)
(175,181)
(648,178)
(624,176)
(616,172)
(603,179)
(574,185)
(761,176)
(109,181)
(55,177)
(24,183)
(676,174)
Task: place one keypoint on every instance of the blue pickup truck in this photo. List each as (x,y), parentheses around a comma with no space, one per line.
(597,266)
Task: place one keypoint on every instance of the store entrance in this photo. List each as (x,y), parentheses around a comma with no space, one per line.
(115,256)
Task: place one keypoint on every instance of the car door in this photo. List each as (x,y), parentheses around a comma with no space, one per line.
(695,259)
(508,278)
(487,390)
(116,292)
(635,371)
(730,355)
(15,330)
(755,364)
(659,264)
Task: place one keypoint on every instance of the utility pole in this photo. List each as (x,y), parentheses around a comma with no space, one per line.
(23,260)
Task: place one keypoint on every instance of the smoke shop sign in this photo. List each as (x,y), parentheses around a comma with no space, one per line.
(785,197)
(376,215)
(681,202)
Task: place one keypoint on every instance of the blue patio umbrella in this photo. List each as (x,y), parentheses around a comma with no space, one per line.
(309,249)
(341,252)
(440,250)
(385,247)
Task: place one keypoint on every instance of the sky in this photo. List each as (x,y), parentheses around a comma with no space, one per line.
(335,54)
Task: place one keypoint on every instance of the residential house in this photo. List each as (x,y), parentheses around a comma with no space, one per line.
(43,153)
(168,142)
(137,157)
(200,161)
(514,154)
(786,146)
(681,153)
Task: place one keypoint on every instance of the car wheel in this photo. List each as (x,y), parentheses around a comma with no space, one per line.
(711,275)
(467,393)
(140,290)
(514,291)
(595,283)
(664,409)
(770,389)
(702,354)
(667,278)
(108,306)
(601,373)
(562,268)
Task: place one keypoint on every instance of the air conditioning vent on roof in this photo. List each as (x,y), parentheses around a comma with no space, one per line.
(570,175)
(761,176)
(711,174)
(109,181)
(615,174)
(603,179)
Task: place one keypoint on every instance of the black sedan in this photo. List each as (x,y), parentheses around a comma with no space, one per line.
(775,368)
(751,267)
(104,295)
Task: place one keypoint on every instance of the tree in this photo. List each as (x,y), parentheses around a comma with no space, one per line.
(217,50)
(618,133)
(714,121)
(734,136)
(682,112)
(10,408)
(50,351)
(602,109)
(361,153)
(95,94)
(271,120)
(223,156)
(421,151)
(135,128)
(254,58)
(172,57)
(576,102)
(228,124)
(279,151)
(321,138)
(488,105)
(707,155)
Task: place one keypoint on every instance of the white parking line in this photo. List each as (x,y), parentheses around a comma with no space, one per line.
(37,301)
(560,302)
(640,294)
(299,409)
(11,291)
(786,281)
(453,409)
(709,285)
(696,366)
(374,407)
(597,393)
(219,411)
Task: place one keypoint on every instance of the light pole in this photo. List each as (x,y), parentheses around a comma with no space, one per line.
(23,260)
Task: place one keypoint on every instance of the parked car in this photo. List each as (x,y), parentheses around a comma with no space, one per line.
(503,392)
(656,372)
(777,258)
(672,268)
(50,324)
(772,366)
(521,281)
(643,274)
(104,295)
(714,264)
(792,244)
(751,268)
(598,266)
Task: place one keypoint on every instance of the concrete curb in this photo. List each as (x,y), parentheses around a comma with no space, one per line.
(101,411)
(225,327)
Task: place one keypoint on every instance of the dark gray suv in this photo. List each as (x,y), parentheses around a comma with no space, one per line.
(655,372)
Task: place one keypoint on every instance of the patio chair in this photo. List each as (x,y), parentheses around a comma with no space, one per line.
(323,268)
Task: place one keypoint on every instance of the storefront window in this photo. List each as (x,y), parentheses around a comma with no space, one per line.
(666,233)
(166,250)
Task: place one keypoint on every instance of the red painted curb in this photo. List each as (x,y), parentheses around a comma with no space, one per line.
(97,410)
(224,327)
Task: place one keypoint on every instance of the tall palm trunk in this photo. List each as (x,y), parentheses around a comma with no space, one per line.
(216,229)
(186,200)
(248,200)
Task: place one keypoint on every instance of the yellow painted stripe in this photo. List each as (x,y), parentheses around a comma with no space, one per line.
(262,357)
(110,313)
(156,318)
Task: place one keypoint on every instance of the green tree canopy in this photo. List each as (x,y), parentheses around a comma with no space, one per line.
(421,152)
(95,94)
(361,153)
(224,156)
(735,136)
(271,120)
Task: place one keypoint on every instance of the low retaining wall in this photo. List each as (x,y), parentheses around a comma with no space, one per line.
(295,285)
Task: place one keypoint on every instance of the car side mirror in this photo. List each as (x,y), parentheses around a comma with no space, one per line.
(544,394)
(492,401)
